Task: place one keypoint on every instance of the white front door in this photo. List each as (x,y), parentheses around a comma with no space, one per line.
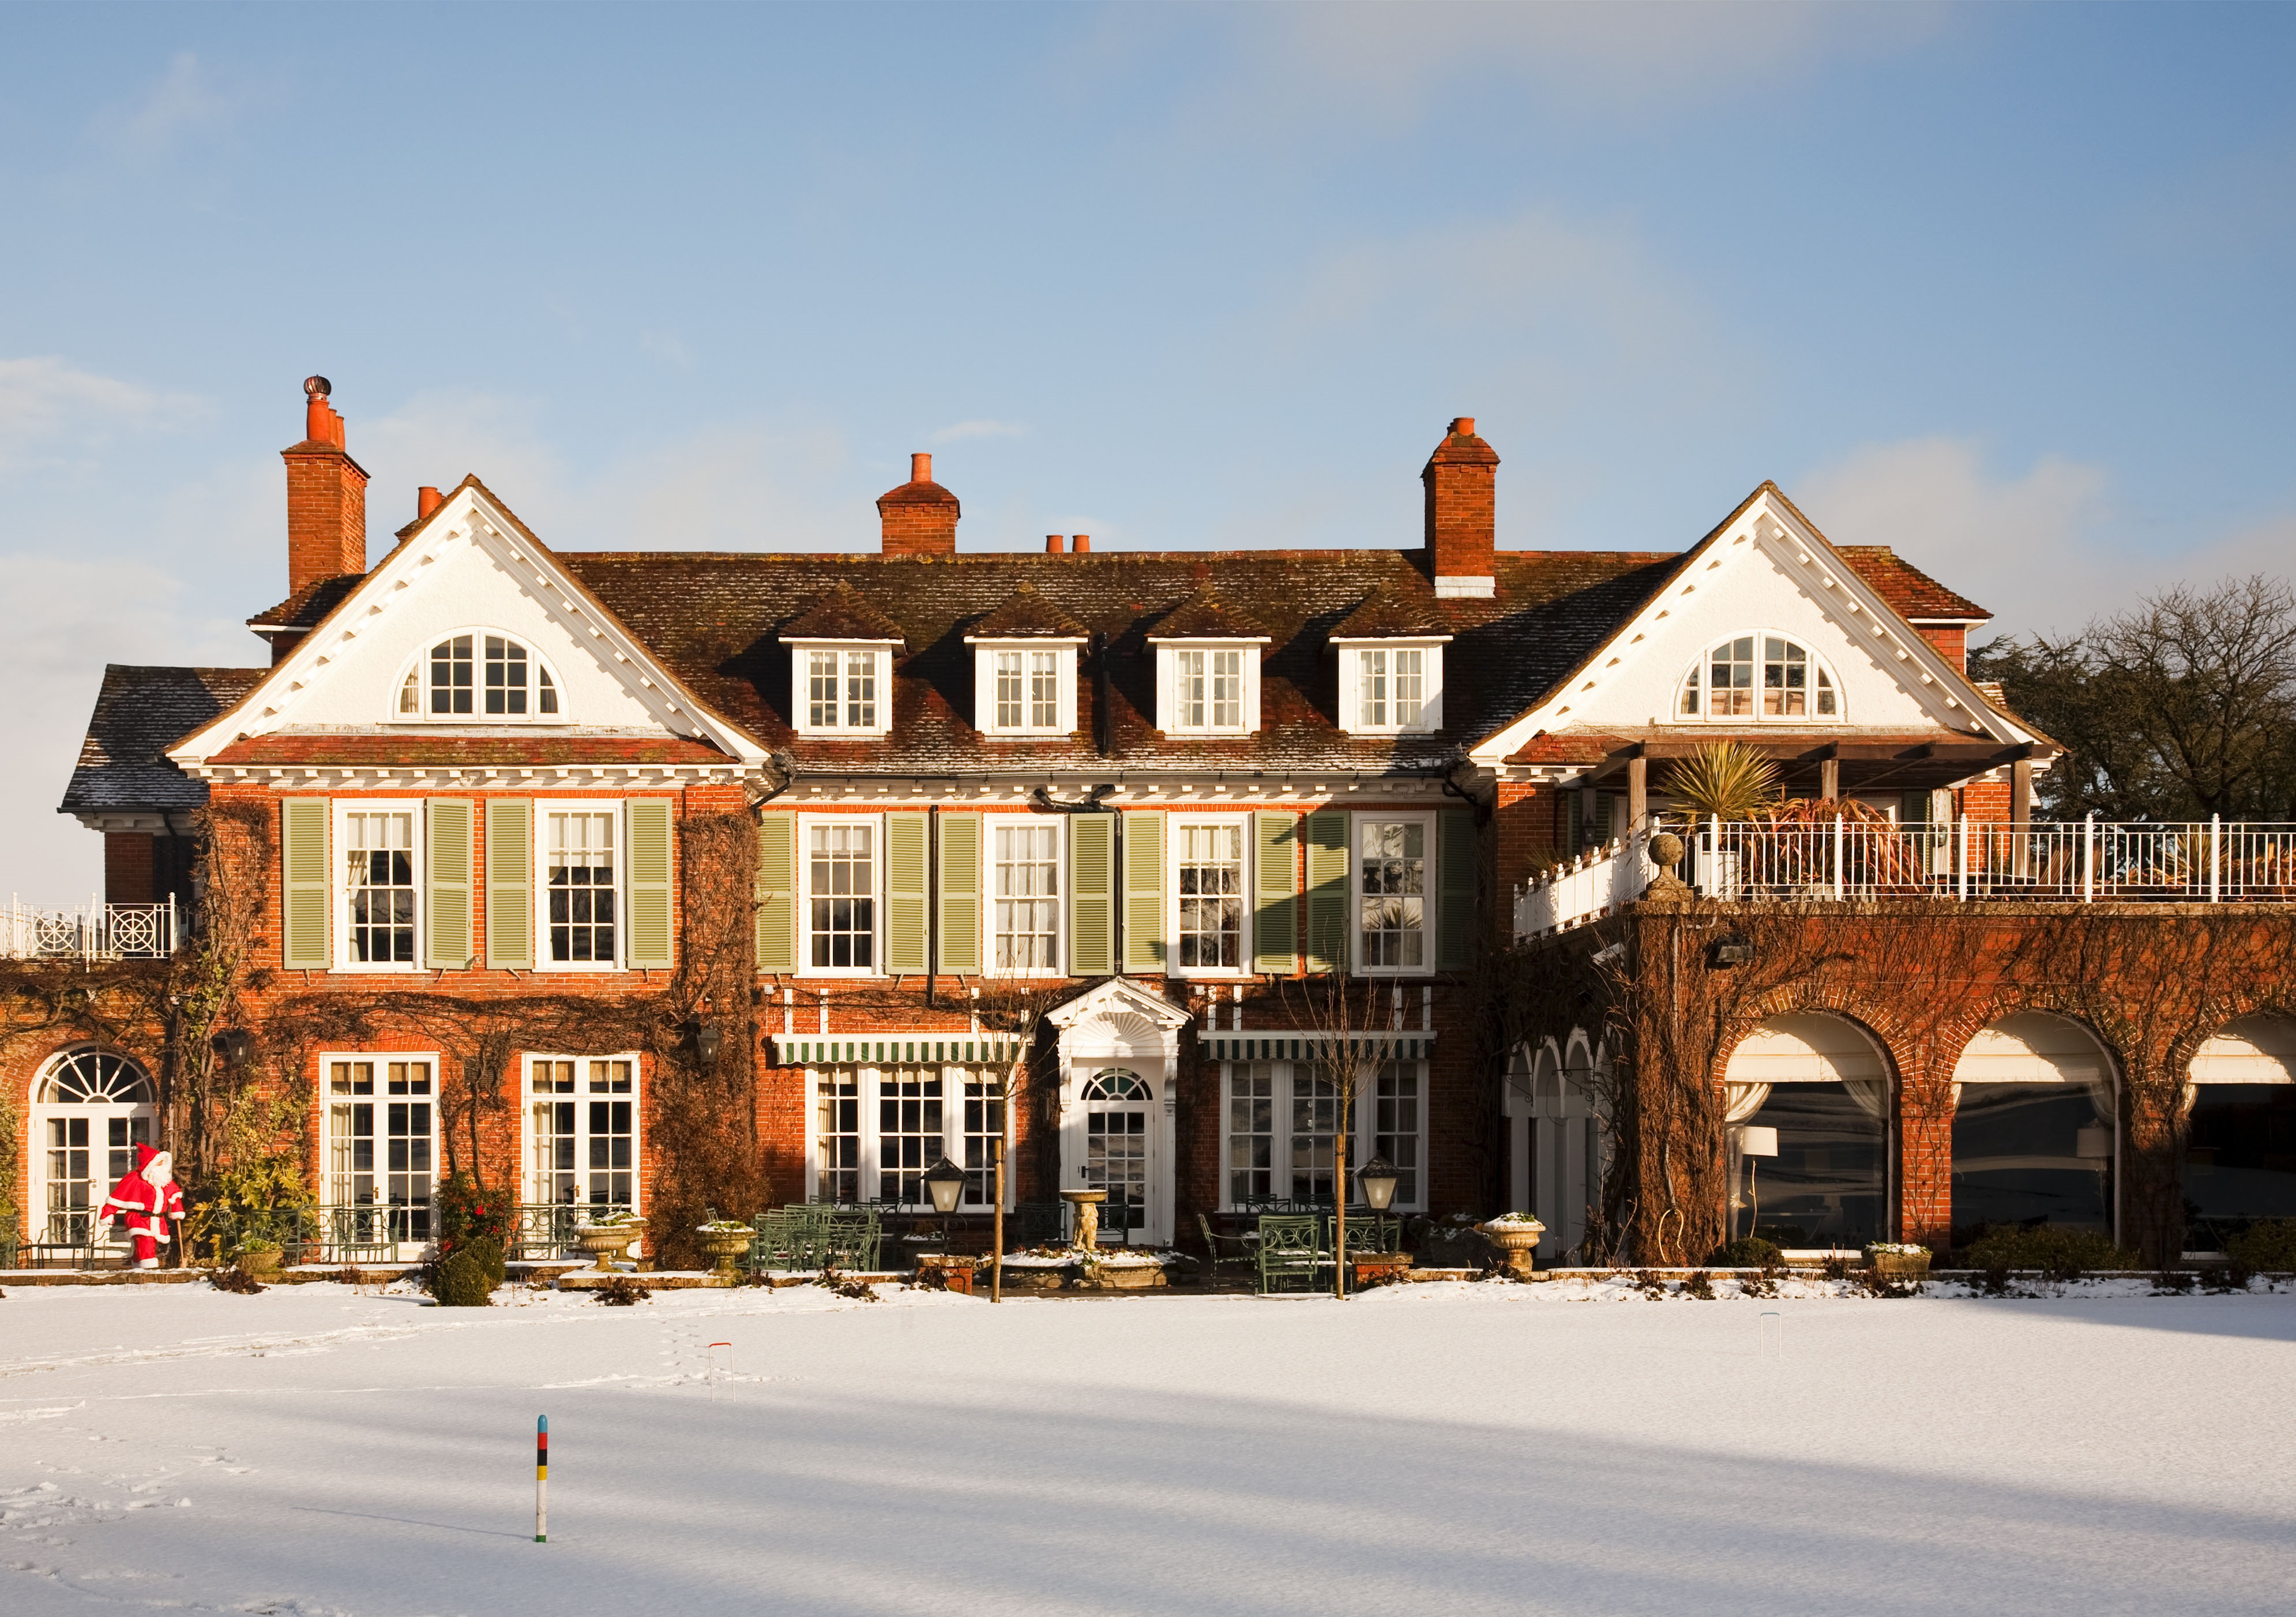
(1121,1156)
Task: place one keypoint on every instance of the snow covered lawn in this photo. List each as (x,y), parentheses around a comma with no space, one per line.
(1434,1449)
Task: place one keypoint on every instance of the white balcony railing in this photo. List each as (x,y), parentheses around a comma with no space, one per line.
(2078,862)
(99,932)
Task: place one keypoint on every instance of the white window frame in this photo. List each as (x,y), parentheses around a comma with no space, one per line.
(1705,714)
(339,884)
(1427,897)
(990,823)
(1171,712)
(106,1163)
(984,686)
(580,1095)
(1350,704)
(539,888)
(1173,822)
(801,653)
(418,667)
(869,1079)
(805,828)
(1361,1138)
(328,1100)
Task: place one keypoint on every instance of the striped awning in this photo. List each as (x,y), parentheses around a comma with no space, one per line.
(902,1050)
(1244,1045)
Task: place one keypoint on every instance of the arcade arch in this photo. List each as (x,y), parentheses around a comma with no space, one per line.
(2036,1127)
(1814,1088)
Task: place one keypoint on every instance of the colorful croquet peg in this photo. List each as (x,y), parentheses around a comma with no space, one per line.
(542,1478)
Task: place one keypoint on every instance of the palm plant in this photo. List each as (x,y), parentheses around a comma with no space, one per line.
(1725,780)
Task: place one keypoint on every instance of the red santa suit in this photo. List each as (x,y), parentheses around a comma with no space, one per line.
(149,1198)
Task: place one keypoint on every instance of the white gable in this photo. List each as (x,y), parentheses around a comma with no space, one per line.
(1767,571)
(469,569)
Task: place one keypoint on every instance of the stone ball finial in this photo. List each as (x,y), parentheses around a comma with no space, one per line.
(1665,850)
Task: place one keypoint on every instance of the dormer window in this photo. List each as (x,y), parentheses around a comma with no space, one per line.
(1024,668)
(477,676)
(1207,669)
(1758,676)
(842,689)
(1390,687)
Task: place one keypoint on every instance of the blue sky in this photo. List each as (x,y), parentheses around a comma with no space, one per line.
(2004,286)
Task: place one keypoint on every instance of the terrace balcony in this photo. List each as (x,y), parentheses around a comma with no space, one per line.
(96,931)
(2069,862)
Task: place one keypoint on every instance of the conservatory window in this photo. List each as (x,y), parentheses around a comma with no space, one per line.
(875,1132)
(582,1133)
(1758,677)
(1283,1119)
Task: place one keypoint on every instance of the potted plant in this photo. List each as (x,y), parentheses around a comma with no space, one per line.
(1515,1234)
(1896,1260)
(608,1236)
(258,1255)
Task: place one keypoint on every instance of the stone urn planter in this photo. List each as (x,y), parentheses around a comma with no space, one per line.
(1518,1238)
(608,1242)
(261,1262)
(1115,1273)
(724,1245)
(1898,1261)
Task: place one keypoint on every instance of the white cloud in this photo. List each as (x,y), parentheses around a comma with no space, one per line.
(2030,546)
(50,402)
(184,102)
(980,429)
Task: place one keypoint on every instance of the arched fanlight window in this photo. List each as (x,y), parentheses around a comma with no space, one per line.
(1758,677)
(1116,1084)
(478,677)
(94,1077)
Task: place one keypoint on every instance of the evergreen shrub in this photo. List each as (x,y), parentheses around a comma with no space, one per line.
(462,1279)
(1748,1252)
(2060,1251)
(2267,1245)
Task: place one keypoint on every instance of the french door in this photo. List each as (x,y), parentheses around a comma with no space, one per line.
(1120,1156)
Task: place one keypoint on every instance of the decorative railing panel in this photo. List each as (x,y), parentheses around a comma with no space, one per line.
(99,932)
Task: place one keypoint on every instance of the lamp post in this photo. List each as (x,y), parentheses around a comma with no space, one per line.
(1754,1143)
(1376,1178)
(944,1182)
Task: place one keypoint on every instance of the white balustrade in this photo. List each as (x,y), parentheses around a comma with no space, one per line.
(95,932)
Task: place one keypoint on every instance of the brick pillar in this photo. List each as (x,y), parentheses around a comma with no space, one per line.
(1926,1166)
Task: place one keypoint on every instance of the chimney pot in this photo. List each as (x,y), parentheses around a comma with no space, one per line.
(426,501)
(1054,544)
(921,468)
(1463,426)
(1081,543)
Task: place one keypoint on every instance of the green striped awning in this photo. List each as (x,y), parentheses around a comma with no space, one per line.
(1247,1046)
(905,1050)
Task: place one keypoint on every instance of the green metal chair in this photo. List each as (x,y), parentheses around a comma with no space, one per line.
(1292,1252)
(1228,1251)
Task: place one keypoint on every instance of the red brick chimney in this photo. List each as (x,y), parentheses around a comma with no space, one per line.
(326,497)
(1462,512)
(919,518)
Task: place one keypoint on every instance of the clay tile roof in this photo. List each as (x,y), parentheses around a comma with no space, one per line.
(140,712)
(1910,592)
(304,608)
(1025,614)
(1388,615)
(401,751)
(842,614)
(1203,615)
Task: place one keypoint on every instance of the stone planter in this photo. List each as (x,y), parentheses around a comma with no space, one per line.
(261,1262)
(1121,1276)
(1518,1241)
(724,1248)
(608,1242)
(1039,1277)
(1899,1266)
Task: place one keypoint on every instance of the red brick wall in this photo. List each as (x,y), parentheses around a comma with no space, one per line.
(1951,641)
(129,873)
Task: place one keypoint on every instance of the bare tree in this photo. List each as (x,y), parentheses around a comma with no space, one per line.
(1355,1024)
(1014,1009)
(2184,707)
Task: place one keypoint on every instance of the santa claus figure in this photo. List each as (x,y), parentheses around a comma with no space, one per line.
(149,1198)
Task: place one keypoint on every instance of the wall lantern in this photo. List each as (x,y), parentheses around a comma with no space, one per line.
(235,1045)
(707,1041)
(1731,948)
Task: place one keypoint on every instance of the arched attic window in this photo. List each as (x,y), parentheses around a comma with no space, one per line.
(1758,676)
(477,676)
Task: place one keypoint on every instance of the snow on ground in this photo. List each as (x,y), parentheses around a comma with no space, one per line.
(1441,1449)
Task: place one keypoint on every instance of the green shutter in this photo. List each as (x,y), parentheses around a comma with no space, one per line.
(1275,921)
(1092,920)
(303,866)
(1144,892)
(649,881)
(1458,866)
(777,892)
(510,883)
(960,893)
(904,894)
(1328,866)
(447,883)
